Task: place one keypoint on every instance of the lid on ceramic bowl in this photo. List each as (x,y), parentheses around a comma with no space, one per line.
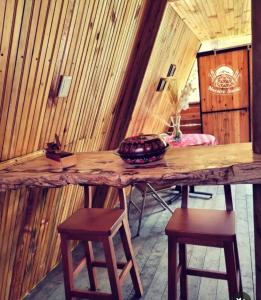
(142,148)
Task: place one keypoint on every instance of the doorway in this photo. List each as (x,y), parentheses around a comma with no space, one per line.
(225,94)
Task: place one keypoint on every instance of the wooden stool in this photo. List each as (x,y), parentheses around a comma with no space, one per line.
(98,224)
(203,227)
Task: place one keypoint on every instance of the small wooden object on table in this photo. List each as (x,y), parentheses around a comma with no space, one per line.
(59,157)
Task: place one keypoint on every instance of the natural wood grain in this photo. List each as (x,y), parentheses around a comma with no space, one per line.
(238,61)
(137,69)
(151,252)
(215,18)
(205,166)
(13,161)
(228,127)
(41,40)
(91,41)
(142,108)
(189,226)
(94,41)
(225,114)
(154,108)
(86,225)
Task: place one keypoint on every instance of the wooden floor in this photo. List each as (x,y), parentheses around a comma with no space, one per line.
(151,252)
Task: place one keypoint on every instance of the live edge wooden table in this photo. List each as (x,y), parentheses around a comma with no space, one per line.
(222,164)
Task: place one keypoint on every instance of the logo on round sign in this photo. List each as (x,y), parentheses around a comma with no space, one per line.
(224,80)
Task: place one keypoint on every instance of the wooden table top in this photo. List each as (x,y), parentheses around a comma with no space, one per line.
(234,163)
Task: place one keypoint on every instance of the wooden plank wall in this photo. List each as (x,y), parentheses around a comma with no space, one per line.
(92,41)
(175,44)
(89,40)
(41,40)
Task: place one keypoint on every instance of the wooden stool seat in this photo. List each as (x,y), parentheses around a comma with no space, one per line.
(98,224)
(202,227)
(93,221)
(202,223)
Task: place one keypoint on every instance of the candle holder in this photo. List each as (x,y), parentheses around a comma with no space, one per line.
(59,157)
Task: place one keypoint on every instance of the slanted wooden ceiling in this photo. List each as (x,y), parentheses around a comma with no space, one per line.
(215,19)
(153,109)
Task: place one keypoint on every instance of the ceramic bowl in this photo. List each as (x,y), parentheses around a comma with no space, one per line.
(142,149)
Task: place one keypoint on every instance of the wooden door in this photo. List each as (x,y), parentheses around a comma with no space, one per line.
(224,91)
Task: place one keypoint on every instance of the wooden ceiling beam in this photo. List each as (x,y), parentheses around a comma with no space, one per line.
(146,37)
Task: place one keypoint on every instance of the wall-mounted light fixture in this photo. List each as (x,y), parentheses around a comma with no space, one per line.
(161,84)
(164,81)
(171,71)
(64,87)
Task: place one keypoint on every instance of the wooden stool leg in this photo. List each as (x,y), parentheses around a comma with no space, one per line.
(238,268)
(184,196)
(130,200)
(183,276)
(112,268)
(228,197)
(129,253)
(172,269)
(231,270)
(91,270)
(67,267)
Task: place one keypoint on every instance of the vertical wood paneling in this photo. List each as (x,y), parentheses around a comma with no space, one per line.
(95,59)
(13,211)
(69,51)
(48,13)
(26,76)
(228,127)
(75,66)
(46,55)
(9,77)
(92,41)
(19,62)
(5,48)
